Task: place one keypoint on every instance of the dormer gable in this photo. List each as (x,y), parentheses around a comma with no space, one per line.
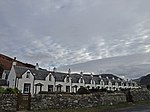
(50,77)
(67,79)
(92,81)
(28,75)
(101,82)
(81,80)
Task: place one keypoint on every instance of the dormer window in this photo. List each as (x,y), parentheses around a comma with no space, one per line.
(92,82)
(81,80)
(28,75)
(50,77)
(67,79)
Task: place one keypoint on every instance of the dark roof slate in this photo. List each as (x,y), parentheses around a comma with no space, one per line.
(59,77)
(3,82)
(75,78)
(7,73)
(39,74)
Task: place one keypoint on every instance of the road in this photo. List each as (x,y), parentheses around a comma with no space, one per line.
(140,108)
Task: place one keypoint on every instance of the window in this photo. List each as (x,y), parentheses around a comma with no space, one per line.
(68,89)
(107,82)
(50,77)
(50,88)
(67,79)
(59,88)
(27,87)
(28,75)
(81,80)
(92,82)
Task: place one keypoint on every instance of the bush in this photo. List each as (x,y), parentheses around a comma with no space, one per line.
(103,90)
(9,91)
(83,90)
(94,90)
(16,90)
(2,90)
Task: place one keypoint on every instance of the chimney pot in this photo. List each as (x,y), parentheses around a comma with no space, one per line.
(37,66)
(14,62)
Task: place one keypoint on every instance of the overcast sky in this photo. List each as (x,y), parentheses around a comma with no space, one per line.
(61,32)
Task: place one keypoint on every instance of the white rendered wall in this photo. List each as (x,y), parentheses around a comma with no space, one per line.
(23,80)
(12,77)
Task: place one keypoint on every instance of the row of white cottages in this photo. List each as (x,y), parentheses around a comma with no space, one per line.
(33,80)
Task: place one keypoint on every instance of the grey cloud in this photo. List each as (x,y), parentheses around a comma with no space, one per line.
(60,32)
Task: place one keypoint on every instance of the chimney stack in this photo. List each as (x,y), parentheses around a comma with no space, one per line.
(54,69)
(81,73)
(69,71)
(14,62)
(37,66)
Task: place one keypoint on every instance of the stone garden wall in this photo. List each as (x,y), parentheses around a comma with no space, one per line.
(8,102)
(140,94)
(50,101)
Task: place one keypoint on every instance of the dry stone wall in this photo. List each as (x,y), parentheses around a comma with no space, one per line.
(8,102)
(140,94)
(50,101)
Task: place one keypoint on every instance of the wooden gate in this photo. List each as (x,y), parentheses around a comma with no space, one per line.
(23,101)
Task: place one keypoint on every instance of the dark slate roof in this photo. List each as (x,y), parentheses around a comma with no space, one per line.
(87,78)
(110,76)
(7,73)
(75,78)
(39,74)
(39,84)
(97,79)
(59,77)
(3,82)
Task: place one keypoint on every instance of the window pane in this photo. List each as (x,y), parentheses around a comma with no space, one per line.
(27,87)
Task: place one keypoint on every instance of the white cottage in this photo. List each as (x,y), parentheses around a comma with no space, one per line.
(34,80)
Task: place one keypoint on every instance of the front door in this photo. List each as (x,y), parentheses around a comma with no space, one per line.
(27,87)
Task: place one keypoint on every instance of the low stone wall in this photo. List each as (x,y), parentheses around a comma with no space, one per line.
(8,102)
(50,101)
(140,94)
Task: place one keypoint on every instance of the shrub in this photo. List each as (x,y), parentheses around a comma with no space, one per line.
(2,90)
(9,91)
(93,90)
(103,90)
(16,90)
(83,90)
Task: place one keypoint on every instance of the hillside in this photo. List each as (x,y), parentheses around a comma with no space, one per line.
(145,80)
(131,66)
(6,63)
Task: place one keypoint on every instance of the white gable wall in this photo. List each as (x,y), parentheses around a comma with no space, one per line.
(4,75)
(45,83)
(12,77)
(24,80)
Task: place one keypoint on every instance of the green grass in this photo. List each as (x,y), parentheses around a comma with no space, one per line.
(100,108)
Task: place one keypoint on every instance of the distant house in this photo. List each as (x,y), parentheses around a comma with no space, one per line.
(34,80)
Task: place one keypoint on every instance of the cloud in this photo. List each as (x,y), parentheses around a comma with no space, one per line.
(60,32)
